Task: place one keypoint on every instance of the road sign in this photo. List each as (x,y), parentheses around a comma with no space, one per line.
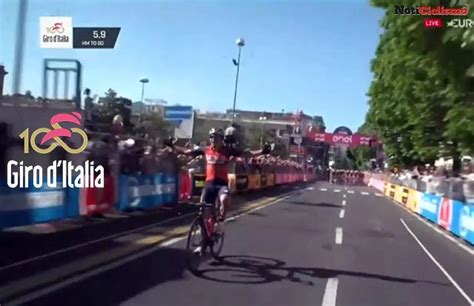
(182,117)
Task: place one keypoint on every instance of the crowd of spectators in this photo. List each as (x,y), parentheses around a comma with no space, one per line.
(141,156)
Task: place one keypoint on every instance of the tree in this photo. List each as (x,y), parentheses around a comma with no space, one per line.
(154,127)
(253,136)
(111,105)
(421,92)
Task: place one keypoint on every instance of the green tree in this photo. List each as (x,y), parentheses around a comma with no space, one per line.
(154,127)
(111,105)
(255,134)
(421,94)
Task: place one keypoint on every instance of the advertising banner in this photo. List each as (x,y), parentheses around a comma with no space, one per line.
(25,206)
(414,198)
(270,179)
(445,213)
(405,193)
(253,181)
(457,210)
(392,190)
(232,182)
(343,139)
(398,194)
(466,222)
(146,191)
(429,207)
(241,182)
(386,189)
(263,180)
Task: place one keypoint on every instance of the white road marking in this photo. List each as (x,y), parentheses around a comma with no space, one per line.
(379,194)
(323,189)
(350,191)
(339,235)
(364,192)
(330,293)
(107,267)
(310,188)
(455,284)
(343,202)
(337,190)
(343,195)
(443,233)
(341,213)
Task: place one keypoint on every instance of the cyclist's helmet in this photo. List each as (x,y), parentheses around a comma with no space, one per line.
(216,131)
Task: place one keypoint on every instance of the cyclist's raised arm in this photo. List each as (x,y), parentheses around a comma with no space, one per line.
(189,152)
(253,153)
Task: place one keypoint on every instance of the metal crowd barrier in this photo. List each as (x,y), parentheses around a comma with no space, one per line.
(439,203)
(128,186)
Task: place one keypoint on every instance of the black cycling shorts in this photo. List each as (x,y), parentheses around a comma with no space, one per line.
(214,189)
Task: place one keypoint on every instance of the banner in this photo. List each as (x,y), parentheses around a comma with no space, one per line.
(342,139)
(429,206)
(405,194)
(232,182)
(414,197)
(445,213)
(270,179)
(253,181)
(398,194)
(392,190)
(465,226)
(36,205)
(241,182)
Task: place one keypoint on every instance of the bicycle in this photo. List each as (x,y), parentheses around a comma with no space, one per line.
(203,225)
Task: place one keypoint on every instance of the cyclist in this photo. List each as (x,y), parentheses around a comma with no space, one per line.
(217,156)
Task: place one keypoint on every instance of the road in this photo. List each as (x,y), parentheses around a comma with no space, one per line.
(321,245)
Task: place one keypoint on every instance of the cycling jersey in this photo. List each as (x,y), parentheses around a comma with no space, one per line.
(217,162)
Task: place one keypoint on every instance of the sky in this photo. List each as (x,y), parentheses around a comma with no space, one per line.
(308,55)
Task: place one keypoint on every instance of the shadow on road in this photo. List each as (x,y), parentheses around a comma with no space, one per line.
(261,270)
(123,283)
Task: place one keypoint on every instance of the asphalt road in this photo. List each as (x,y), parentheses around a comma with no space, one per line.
(324,245)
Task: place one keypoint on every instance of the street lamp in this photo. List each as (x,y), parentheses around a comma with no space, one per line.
(143,81)
(240,42)
(263,118)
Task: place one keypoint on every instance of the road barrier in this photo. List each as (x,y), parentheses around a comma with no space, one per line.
(24,206)
(451,215)
(95,201)
(142,192)
(28,206)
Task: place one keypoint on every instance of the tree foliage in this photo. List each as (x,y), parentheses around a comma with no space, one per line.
(421,95)
(153,126)
(255,135)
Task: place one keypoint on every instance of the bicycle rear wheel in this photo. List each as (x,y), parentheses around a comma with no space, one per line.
(193,260)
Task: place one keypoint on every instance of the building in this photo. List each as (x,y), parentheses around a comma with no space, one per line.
(290,128)
(140,108)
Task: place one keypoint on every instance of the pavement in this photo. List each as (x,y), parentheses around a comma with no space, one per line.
(316,244)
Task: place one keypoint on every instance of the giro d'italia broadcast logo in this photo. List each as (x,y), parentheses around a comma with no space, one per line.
(61,173)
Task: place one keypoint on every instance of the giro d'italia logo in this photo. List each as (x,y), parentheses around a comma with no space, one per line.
(56,32)
(56,133)
(60,172)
